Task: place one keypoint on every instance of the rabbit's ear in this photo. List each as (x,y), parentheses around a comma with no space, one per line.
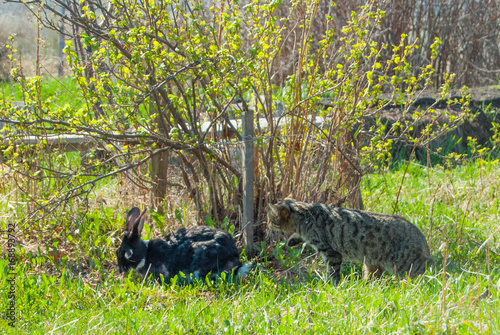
(132,217)
(139,223)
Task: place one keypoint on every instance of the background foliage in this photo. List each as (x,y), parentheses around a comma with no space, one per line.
(160,82)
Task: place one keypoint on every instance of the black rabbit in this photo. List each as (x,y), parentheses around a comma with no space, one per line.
(195,251)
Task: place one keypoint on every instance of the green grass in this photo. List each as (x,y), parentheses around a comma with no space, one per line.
(261,305)
(55,91)
(70,286)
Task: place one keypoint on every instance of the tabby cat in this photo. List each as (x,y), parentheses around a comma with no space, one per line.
(378,241)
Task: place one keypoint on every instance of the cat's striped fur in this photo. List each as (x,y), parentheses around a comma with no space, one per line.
(381,242)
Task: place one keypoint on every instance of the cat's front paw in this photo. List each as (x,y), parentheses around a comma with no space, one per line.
(294,240)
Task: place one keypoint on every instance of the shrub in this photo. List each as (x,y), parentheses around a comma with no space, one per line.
(150,74)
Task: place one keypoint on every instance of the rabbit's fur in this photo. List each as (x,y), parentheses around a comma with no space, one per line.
(195,251)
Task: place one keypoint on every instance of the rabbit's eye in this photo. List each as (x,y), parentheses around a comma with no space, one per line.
(128,254)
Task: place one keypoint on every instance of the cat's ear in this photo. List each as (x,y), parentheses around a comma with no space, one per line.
(273,210)
(284,211)
(279,210)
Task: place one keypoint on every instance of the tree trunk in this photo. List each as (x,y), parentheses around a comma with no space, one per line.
(159,175)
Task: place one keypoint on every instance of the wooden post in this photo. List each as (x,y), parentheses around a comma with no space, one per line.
(248,180)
